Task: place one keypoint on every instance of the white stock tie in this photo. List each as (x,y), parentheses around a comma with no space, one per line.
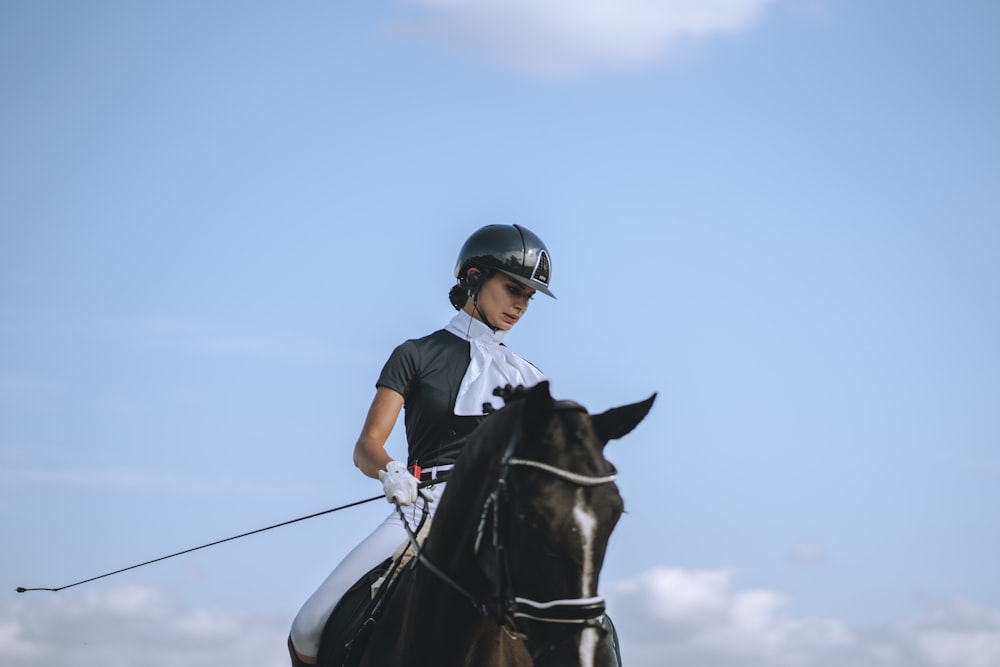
(491,365)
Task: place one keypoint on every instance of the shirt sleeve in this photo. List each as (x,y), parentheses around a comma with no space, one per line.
(399,369)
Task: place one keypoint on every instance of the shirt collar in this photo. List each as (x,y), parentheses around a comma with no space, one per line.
(469,328)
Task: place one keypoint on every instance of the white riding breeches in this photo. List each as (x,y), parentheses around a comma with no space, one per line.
(307,628)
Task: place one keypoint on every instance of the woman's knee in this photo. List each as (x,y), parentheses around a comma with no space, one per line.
(307,629)
(299,659)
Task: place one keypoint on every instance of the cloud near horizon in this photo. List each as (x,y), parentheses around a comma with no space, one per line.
(665,616)
(572,37)
(697,618)
(135,625)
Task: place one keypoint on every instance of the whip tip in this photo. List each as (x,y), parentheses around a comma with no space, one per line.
(21,590)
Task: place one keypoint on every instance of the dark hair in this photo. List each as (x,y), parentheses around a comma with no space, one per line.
(458,296)
(460,293)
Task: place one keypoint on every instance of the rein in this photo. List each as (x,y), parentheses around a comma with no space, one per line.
(508,609)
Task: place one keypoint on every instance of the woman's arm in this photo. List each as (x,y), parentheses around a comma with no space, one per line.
(369,451)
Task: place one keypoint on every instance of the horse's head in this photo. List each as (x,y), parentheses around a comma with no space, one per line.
(544,526)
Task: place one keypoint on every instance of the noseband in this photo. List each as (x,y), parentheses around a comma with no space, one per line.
(506,608)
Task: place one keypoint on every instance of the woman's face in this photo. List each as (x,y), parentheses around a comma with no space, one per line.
(502,300)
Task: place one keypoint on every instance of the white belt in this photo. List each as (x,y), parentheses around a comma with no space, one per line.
(430,474)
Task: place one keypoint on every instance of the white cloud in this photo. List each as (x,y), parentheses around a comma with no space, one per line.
(699,619)
(961,635)
(558,37)
(135,626)
(807,553)
(665,617)
(696,617)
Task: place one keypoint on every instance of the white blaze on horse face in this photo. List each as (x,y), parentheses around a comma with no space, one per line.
(588,647)
(586,524)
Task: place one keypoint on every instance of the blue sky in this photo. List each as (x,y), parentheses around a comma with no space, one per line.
(217,219)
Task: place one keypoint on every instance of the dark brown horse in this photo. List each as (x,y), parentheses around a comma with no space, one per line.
(508,574)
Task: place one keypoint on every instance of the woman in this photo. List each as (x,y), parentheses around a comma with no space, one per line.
(444,380)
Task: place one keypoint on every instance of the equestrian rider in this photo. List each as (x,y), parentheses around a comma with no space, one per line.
(444,380)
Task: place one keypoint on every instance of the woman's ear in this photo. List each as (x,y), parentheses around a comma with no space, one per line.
(474,279)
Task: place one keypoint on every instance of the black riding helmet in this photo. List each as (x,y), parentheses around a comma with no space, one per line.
(511,249)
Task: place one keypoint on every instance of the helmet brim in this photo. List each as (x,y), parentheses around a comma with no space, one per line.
(528,282)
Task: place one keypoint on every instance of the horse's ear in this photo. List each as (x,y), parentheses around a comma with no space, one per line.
(618,422)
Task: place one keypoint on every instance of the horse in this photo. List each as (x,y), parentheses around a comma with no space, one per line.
(508,573)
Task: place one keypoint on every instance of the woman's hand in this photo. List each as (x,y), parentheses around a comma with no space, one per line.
(400,486)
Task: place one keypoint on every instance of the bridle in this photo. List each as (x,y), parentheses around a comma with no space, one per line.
(507,609)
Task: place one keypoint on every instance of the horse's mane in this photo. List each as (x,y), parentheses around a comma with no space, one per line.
(491,437)
(508,393)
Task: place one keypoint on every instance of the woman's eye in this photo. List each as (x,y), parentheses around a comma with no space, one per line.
(516,290)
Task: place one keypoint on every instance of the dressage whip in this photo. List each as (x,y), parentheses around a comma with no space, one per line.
(21,589)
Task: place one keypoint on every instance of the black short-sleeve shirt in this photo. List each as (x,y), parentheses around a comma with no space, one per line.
(428,372)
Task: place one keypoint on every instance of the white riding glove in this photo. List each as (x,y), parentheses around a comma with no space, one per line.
(400,486)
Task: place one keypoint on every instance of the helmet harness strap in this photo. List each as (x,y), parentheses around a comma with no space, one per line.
(473,287)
